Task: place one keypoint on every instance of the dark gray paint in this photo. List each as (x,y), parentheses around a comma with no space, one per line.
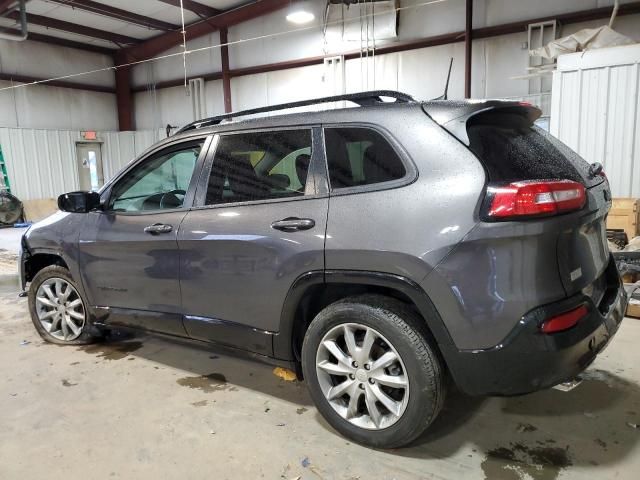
(125,267)
(407,231)
(235,267)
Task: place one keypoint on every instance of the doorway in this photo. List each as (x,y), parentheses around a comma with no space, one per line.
(89,161)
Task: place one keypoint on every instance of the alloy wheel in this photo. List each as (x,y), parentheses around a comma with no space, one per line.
(362,376)
(60,309)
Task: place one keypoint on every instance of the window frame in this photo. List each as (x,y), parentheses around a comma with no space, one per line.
(317,182)
(149,155)
(410,175)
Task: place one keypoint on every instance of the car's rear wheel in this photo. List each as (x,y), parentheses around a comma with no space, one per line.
(372,370)
(58,309)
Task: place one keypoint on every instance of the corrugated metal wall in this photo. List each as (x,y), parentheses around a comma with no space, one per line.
(596,111)
(42,163)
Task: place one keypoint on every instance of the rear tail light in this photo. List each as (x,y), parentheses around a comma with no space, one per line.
(534,198)
(565,320)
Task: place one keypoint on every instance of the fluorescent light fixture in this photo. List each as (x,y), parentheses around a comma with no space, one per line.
(299,13)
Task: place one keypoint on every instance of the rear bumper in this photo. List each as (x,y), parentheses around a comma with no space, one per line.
(528,360)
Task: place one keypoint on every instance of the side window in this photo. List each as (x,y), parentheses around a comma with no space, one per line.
(160,182)
(360,156)
(259,166)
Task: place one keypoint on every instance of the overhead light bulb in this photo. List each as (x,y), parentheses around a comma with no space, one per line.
(299,14)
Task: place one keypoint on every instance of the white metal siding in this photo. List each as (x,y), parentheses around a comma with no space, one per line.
(596,111)
(42,163)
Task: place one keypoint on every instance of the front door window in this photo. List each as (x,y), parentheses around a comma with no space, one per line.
(159,183)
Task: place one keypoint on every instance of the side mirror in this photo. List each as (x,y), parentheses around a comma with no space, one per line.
(79,202)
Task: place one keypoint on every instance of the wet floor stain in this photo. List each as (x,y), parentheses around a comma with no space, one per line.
(206,383)
(201,403)
(112,351)
(526,428)
(67,383)
(601,443)
(521,461)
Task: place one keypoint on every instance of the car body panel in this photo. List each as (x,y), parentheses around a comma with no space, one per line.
(135,274)
(408,230)
(57,235)
(236,269)
(126,268)
(501,270)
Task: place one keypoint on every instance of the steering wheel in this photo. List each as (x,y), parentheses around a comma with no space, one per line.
(170,199)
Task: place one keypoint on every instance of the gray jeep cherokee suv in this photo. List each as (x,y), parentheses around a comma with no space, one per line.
(376,250)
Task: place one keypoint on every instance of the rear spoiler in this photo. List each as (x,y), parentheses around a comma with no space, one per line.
(454,115)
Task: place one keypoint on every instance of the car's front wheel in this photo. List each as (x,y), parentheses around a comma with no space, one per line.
(58,309)
(372,370)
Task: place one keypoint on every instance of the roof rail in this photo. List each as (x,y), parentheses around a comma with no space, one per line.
(362,99)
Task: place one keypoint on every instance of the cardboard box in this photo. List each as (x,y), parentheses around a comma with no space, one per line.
(624,214)
(36,210)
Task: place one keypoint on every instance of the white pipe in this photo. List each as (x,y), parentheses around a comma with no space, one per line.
(616,6)
(23,25)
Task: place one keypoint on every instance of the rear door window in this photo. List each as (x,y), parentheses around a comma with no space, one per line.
(256,166)
(359,156)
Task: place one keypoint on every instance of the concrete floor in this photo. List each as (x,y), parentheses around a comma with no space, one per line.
(150,408)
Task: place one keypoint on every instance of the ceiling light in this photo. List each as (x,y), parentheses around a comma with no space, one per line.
(299,14)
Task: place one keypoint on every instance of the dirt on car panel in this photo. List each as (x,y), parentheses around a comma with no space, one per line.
(112,351)
(206,383)
(540,463)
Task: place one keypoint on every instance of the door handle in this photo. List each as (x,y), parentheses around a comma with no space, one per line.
(293,224)
(157,228)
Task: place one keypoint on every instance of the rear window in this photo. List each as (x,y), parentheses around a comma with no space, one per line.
(360,156)
(512,149)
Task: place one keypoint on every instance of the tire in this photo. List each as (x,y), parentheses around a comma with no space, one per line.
(401,332)
(52,276)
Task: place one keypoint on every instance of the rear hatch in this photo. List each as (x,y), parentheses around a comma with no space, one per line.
(512,149)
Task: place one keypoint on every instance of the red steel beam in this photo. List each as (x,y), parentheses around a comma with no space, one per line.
(195,7)
(75,28)
(468,37)
(63,42)
(124,95)
(566,18)
(226,77)
(10,77)
(164,42)
(5,4)
(117,13)
(177,82)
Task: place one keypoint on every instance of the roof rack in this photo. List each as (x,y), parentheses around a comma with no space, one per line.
(362,99)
